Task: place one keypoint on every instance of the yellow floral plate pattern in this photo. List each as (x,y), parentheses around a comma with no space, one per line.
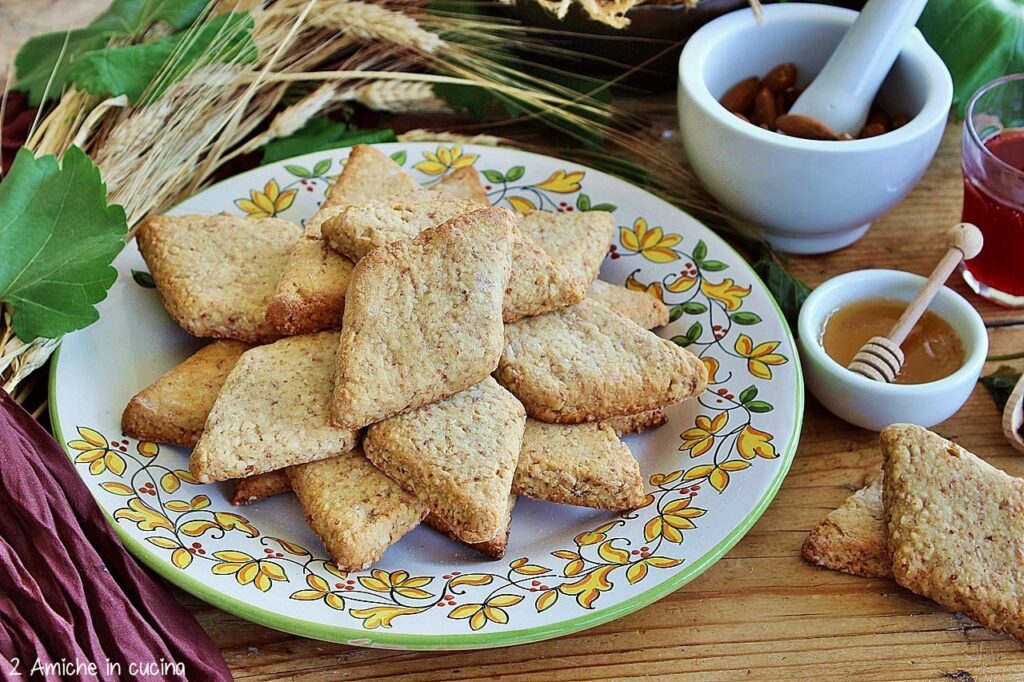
(711,471)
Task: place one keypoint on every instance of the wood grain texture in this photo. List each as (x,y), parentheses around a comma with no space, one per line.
(761,612)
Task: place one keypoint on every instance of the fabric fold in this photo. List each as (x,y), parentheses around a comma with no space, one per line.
(70,595)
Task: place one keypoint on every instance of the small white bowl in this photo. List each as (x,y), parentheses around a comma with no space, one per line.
(872,404)
(811,196)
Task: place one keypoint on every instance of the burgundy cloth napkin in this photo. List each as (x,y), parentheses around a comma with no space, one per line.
(70,595)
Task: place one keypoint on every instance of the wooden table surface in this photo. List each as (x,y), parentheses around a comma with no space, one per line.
(760,612)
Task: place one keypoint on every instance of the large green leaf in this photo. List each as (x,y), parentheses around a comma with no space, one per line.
(978,39)
(52,54)
(58,237)
(130,70)
(125,17)
(43,62)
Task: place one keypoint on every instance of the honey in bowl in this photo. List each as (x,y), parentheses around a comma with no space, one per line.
(933,350)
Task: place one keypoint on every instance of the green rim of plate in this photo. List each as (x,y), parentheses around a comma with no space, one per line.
(382,639)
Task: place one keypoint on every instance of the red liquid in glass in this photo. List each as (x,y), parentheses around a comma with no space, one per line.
(1000,264)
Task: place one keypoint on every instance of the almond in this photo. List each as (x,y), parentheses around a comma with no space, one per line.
(740,97)
(781,77)
(765,110)
(806,127)
(872,129)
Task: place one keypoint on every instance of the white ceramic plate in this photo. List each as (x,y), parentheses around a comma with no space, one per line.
(711,471)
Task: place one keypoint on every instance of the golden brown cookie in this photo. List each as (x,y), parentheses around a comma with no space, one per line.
(851,538)
(423,318)
(639,306)
(637,423)
(955,527)
(493,548)
(310,295)
(173,409)
(260,486)
(458,455)
(357,230)
(587,363)
(580,464)
(357,511)
(272,411)
(577,242)
(464,183)
(216,274)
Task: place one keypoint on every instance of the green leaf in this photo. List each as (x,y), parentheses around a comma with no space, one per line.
(675,313)
(694,308)
(121,71)
(143,279)
(713,265)
(583,202)
(759,406)
(322,134)
(789,292)
(400,157)
(514,173)
(125,17)
(1000,384)
(494,176)
(48,54)
(321,167)
(748,394)
(469,98)
(979,40)
(700,251)
(58,237)
(297,170)
(130,70)
(609,208)
(744,317)
(694,332)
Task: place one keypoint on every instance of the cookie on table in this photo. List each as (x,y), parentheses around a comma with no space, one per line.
(577,241)
(852,538)
(585,465)
(260,486)
(639,306)
(273,411)
(423,318)
(216,274)
(955,527)
(493,548)
(637,423)
(356,510)
(464,183)
(458,455)
(173,409)
(587,363)
(310,294)
(357,230)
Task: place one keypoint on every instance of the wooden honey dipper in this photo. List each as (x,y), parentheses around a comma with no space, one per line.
(881,358)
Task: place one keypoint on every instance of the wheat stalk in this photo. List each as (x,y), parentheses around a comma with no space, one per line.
(398,97)
(384,55)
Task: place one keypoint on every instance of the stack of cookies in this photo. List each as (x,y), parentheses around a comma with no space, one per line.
(409,355)
(938,520)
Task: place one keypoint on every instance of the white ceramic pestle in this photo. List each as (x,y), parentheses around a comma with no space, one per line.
(841,94)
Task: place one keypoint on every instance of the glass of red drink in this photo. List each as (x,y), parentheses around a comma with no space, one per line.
(993,159)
